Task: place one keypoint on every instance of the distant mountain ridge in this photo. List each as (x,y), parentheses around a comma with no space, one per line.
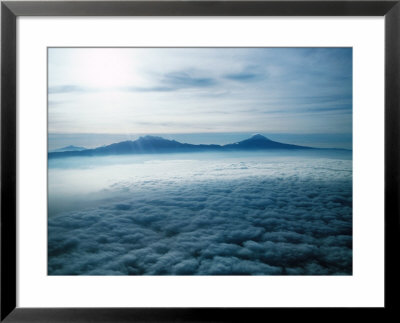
(154,144)
(68,148)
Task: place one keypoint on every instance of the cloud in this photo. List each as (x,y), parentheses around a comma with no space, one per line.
(287,217)
(67,89)
(248,74)
(171,81)
(281,88)
(245,76)
(185,79)
(147,89)
(174,81)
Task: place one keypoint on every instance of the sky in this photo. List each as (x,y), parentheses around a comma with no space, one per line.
(203,92)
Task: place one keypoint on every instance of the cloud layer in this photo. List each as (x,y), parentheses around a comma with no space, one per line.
(243,218)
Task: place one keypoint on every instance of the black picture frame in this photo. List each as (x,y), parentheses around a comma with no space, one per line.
(10,10)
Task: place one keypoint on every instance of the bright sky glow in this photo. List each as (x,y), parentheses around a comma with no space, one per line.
(200,90)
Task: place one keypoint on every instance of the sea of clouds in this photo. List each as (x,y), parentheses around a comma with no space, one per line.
(201,215)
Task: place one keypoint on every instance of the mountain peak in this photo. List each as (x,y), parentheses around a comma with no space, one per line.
(259,137)
(148,137)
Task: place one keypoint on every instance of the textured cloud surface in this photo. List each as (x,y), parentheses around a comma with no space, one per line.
(258,215)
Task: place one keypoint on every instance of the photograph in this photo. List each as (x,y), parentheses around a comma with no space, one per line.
(199,161)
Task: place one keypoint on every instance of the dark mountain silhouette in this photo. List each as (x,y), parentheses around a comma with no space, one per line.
(153,144)
(259,142)
(69,148)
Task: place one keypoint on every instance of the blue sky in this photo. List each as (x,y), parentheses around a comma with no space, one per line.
(128,91)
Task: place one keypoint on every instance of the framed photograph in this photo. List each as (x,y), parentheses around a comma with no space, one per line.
(197,161)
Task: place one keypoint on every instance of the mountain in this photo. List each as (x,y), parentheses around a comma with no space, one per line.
(259,142)
(153,144)
(68,148)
